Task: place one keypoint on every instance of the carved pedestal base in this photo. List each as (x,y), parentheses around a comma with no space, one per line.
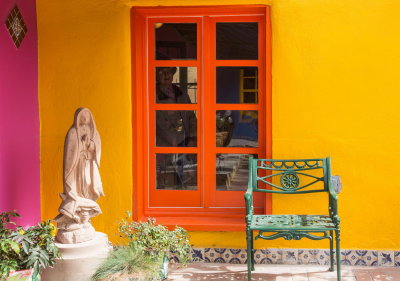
(78,234)
(79,261)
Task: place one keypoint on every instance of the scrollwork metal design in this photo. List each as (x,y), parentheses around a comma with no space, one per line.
(301,164)
(293,235)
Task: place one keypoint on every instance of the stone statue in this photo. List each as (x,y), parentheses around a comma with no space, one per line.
(82,183)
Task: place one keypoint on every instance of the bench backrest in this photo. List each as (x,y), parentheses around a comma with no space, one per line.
(289,176)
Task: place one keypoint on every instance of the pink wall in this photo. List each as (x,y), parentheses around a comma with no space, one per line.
(19,117)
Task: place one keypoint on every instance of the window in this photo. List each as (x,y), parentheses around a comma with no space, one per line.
(201,107)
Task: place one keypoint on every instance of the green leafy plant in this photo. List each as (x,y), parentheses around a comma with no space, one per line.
(156,240)
(127,263)
(20,248)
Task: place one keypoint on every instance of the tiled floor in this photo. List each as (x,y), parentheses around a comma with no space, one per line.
(225,272)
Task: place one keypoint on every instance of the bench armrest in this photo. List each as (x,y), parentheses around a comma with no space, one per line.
(248,196)
(333,202)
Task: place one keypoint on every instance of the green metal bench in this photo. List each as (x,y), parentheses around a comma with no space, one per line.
(292,177)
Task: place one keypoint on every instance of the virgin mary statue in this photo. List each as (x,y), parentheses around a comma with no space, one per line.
(82,183)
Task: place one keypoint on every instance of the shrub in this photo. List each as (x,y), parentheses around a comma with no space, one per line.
(156,240)
(25,248)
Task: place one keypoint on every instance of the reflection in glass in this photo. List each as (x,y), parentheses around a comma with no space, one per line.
(176,171)
(232,171)
(176,128)
(237,128)
(176,41)
(237,84)
(237,41)
(176,84)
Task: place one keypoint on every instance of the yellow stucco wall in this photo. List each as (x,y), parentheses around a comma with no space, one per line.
(84,61)
(335,93)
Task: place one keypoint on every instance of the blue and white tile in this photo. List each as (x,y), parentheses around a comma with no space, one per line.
(289,256)
(275,255)
(260,257)
(324,257)
(397,258)
(308,256)
(386,258)
(268,256)
(236,256)
(348,257)
(197,254)
(366,258)
(215,255)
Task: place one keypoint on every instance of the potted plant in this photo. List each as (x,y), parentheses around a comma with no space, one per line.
(156,241)
(147,253)
(127,263)
(25,252)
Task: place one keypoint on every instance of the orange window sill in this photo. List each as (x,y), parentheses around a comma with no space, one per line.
(203,223)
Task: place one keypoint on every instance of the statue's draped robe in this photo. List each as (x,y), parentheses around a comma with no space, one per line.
(82,183)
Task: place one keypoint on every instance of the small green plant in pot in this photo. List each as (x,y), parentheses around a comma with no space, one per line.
(127,263)
(156,241)
(25,249)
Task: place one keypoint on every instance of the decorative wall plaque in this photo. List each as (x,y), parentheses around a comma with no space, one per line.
(16,26)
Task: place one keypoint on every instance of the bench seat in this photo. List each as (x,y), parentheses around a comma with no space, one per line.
(292,222)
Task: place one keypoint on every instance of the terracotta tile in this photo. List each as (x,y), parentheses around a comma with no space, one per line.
(331,279)
(344,273)
(362,275)
(270,277)
(300,277)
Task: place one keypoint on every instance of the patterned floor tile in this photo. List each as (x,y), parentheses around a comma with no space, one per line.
(386,258)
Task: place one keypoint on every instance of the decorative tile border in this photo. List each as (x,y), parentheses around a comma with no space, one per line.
(296,256)
(290,256)
(386,258)
(397,258)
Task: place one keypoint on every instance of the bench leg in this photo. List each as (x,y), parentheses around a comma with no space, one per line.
(250,265)
(338,260)
(331,250)
(252,251)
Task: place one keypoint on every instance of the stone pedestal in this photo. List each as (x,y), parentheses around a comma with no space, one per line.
(79,261)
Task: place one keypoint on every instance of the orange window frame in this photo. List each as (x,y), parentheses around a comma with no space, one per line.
(206,208)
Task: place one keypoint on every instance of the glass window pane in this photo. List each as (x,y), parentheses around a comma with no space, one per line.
(176,171)
(237,85)
(237,128)
(232,171)
(237,41)
(176,85)
(176,128)
(176,41)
